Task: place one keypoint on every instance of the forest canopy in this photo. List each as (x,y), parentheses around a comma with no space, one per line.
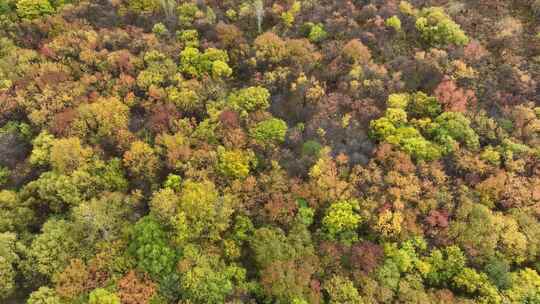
(269,151)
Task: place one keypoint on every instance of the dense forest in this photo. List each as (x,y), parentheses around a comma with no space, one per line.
(269,151)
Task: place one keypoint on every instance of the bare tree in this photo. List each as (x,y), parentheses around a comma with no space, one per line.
(259,12)
(169,9)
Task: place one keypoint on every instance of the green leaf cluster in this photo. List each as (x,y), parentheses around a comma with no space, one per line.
(438,29)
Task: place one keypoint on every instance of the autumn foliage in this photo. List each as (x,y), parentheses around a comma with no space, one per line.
(276,151)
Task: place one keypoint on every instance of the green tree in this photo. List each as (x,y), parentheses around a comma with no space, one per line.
(299,301)
(438,29)
(186,13)
(491,156)
(165,206)
(160,30)
(144,6)
(44,295)
(203,212)
(14,61)
(7,278)
(525,287)
(498,271)
(270,244)
(397,117)
(394,23)
(341,290)
(31,9)
(206,278)
(475,230)
(102,120)
(210,57)
(104,217)
(382,128)
(317,33)
(187,95)
(57,191)
(220,69)
(444,264)
(286,263)
(305,214)
(5,8)
(102,296)
(341,221)
(411,141)
(141,161)
(8,261)
(190,59)
(190,38)
(212,62)
(60,191)
(150,248)
(422,105)
(68,155)
(477,284)
(289,16)
(14,215)
(453,126)
(107,176)
(311,148)
(160,70)
(51,250)
(399,261)
(173,181)
(41,149)
(269,131)
(417,135)
(399,101)
(395,129)
(243,228)
(250,99)
(235,163)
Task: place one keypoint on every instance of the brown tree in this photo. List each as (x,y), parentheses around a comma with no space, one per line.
(452,97)
(135,289)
